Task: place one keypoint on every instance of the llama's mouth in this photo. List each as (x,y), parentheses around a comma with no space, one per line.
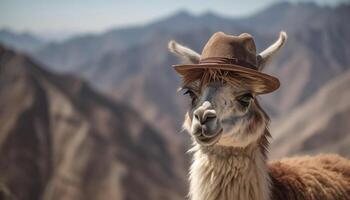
(208,141)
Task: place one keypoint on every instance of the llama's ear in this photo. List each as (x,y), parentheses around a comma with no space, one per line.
(265,56)
(184,52)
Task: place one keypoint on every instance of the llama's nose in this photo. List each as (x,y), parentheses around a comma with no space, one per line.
(204,113)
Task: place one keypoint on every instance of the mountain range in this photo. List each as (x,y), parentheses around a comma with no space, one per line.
(131,69)
(63,140)
(25,41)
(132,64)
(321,124)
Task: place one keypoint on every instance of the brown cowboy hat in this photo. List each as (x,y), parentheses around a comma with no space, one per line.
(232,53)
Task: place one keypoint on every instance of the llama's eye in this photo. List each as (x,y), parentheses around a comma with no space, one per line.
(192,95)
(245,99)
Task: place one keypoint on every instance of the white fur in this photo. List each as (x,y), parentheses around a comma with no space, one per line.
(265,56)
(237,175)
(184,52)
(234,168)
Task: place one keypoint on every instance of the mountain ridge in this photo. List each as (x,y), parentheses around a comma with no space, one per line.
(135,72)
(59,136)
(318,125)
(23,41)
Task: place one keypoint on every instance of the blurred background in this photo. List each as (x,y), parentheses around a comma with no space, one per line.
(88,101)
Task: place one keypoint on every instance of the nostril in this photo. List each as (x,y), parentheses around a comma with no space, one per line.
(207,119)
(208,116)
(196,116)
(204,115)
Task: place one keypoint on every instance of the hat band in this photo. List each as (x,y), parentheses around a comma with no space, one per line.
(223,60)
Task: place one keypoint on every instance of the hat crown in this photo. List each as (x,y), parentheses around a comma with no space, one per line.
(240,47)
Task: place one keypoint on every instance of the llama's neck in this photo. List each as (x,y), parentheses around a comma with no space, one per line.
(229,173)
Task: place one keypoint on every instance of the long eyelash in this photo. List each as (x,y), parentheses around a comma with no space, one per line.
(246,94)
(249,95)
(190,93)
(187,92)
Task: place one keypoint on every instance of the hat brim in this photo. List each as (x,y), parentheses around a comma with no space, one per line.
(259,82)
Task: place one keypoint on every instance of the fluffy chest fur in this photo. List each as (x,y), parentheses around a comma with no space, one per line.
(222,174)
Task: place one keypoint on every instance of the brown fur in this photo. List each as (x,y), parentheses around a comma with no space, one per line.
(325,177)
(211,75)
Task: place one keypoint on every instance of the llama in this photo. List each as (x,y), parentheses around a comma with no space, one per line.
(230,133)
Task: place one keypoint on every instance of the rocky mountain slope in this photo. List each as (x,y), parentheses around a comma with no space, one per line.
(59,139)
(321,124)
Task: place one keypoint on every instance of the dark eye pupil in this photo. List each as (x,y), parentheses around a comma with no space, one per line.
(189,92)
(192,95)
(245,99)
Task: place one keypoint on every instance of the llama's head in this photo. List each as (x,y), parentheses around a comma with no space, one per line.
(223,110)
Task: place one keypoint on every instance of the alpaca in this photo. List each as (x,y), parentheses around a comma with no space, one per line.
(230,137)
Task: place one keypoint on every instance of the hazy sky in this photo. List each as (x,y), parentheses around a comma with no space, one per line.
(97,15)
